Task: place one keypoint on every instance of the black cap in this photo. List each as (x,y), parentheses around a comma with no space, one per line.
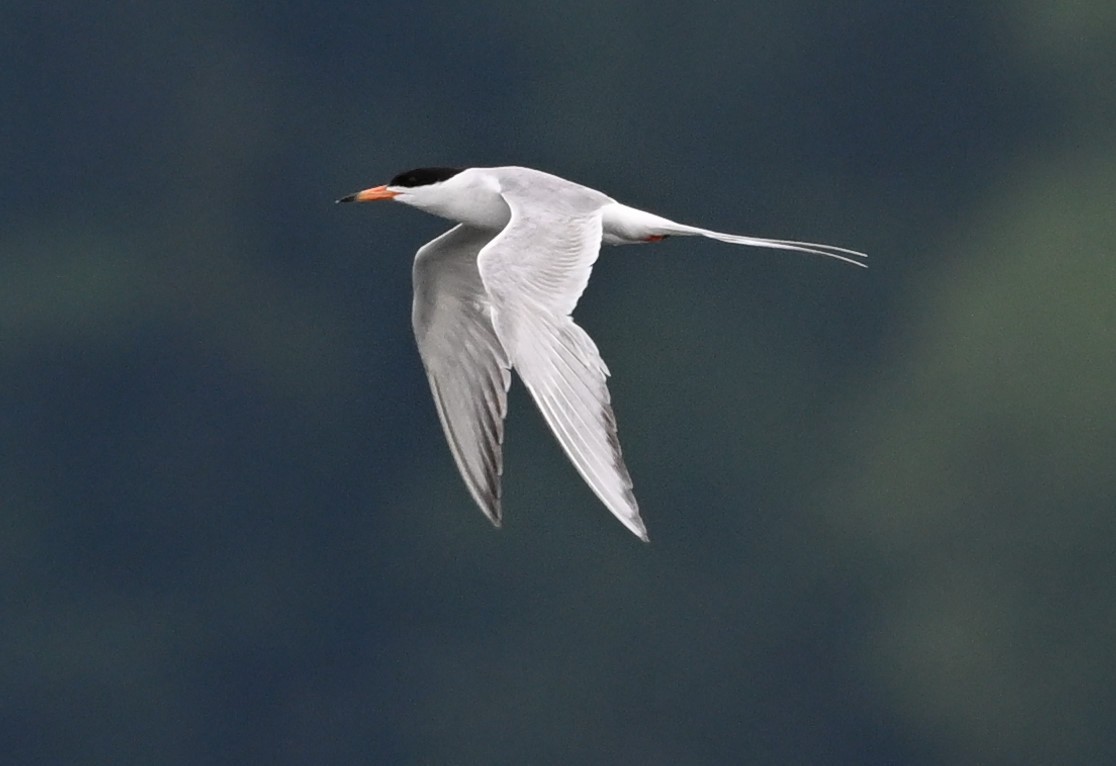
(423,177)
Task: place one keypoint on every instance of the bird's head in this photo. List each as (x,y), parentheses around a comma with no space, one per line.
(466,195)
(419,187)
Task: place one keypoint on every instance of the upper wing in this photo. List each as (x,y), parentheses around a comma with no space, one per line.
(535,270)
(468,369)
(548,248)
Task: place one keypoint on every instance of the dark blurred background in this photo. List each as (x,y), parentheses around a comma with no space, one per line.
(881,503)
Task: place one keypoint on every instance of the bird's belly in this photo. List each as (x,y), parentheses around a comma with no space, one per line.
(623,225)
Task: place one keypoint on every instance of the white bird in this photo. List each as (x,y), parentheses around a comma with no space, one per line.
(495,293)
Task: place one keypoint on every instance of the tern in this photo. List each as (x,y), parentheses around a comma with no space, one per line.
(496,293)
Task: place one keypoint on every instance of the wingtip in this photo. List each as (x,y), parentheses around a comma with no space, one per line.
(637,528)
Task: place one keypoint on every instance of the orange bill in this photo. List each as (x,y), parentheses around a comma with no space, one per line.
(370,195)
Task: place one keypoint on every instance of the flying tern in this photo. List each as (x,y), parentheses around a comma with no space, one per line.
(496,293)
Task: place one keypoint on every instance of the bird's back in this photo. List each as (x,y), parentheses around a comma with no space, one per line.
(537,188)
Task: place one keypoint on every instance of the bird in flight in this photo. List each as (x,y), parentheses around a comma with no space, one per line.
(496,293)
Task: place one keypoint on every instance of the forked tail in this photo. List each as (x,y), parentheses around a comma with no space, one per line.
(623,225)
(830,251)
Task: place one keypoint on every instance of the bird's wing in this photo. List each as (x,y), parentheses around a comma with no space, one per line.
(467,366)
(551,241)
(535,270)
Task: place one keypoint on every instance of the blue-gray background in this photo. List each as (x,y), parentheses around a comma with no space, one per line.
(881,503)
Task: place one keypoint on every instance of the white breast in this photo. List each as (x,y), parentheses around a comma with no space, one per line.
(471,197)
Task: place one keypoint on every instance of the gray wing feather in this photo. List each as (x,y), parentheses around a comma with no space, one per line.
(467,366)
(535,270)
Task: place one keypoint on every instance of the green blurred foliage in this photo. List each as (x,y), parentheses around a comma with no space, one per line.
(985,479)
